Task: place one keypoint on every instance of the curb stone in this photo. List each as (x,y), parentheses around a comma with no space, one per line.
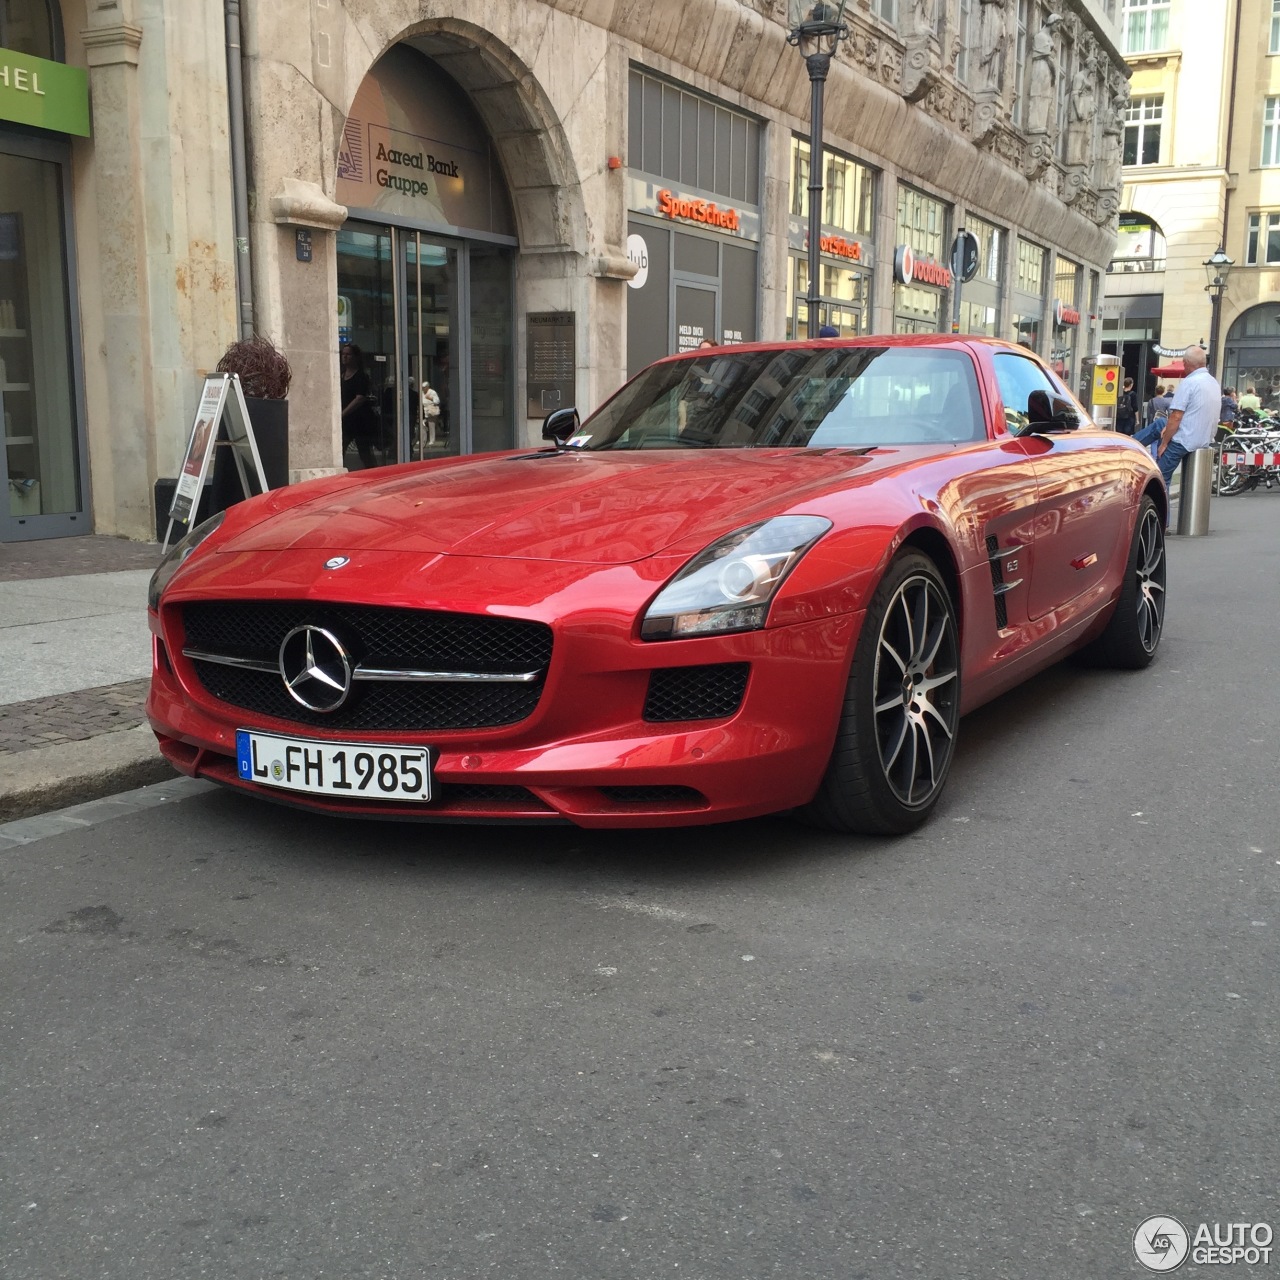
(67,773)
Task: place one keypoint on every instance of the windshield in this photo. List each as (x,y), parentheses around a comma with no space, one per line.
(814,398)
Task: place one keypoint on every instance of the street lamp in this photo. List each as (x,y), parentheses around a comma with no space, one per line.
(1216,270)
(816,30)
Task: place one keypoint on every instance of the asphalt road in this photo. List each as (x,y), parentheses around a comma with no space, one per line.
(240,1042)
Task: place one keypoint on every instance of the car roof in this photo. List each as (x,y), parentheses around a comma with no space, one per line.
(937,341)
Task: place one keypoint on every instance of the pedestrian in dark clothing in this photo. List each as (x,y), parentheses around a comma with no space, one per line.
(1127,409)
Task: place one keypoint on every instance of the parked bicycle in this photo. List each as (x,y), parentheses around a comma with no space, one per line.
(1250,456)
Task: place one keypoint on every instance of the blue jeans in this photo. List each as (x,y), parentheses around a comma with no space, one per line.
(1169,459)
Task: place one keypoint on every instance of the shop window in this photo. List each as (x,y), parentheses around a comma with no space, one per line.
(1145,25)
(1271,132)
(1142,120)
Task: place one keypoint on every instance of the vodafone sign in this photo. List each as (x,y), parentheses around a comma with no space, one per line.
(908,269)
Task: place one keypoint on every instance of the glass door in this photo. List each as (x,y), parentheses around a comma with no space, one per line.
(367,323)
(435,423)
(41,490)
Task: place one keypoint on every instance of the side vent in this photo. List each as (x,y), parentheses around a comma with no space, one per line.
(996,555)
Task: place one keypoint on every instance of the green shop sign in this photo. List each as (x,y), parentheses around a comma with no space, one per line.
(49,95)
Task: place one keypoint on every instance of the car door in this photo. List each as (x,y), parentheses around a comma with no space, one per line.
(1081,495)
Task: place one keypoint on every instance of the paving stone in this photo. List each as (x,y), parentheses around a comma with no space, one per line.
(72,717)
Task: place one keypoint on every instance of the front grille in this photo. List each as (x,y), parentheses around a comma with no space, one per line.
(696,693)
(375,637)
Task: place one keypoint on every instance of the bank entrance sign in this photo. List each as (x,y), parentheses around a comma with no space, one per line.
(48,95)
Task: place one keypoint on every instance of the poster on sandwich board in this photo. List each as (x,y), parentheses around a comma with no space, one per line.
(222,419)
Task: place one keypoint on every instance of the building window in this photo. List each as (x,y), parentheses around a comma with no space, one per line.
(1271,132)
(1146,25)
(888,10)
(1274,46)
(965,34)
(1140,245)
(1263,246)
(691,141)
(922,223)
(848,190)
(990,249)
(1030,268)
(1142,120)
(1020,61)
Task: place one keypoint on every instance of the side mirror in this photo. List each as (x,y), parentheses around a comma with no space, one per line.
(560,425)
(1045,415)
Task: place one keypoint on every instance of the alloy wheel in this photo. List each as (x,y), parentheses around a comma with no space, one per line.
(916,690)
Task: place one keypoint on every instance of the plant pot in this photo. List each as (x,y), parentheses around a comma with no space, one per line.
(269,420)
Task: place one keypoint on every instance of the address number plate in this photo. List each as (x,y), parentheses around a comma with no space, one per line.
(352,770)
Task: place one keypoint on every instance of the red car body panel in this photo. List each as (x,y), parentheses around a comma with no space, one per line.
(582,542)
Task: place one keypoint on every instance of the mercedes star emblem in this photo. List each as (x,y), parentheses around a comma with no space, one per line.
(336,562)
(316,669)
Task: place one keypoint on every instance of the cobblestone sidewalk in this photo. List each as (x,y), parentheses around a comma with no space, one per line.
(71,717)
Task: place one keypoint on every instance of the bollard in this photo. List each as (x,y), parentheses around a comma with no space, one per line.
(1197,482)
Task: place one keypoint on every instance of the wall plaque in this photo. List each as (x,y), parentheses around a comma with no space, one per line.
(551,368)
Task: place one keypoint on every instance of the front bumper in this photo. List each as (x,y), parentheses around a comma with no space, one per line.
(586,754)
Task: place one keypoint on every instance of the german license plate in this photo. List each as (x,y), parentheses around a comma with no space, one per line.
(352,770)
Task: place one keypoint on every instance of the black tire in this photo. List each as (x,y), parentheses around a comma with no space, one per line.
(1232,479)
(901,709)
(1133,634)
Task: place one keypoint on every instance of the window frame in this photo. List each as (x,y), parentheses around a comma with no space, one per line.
(1270,132)
(1150,11)
(1142,116)
(1262,239)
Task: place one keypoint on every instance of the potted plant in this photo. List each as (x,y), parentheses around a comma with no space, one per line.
(265,376)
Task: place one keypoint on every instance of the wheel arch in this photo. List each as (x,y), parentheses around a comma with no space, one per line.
(933,543)
(1156,491)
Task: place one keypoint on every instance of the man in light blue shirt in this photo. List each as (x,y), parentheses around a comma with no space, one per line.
(1193,416)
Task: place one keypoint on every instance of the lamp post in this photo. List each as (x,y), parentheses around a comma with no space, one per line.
(1216,270)
(816,30)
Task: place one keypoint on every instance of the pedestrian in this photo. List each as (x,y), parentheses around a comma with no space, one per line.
(431,416)
(1249,402)
(1227,415)
(1158,407)
(359,419)
(1127,409)
(1193,414)
(828,331)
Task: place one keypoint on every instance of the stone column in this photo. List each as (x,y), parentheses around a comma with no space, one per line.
(121,427)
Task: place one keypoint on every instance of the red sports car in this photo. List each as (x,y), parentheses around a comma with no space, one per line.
(760,578)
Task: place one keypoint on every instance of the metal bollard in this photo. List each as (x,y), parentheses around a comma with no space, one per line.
(1197,483)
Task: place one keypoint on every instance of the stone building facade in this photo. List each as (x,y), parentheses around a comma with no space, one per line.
(517,202)
(1201,153)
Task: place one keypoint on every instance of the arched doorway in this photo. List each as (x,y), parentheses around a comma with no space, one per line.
(1251,355)
(426,263)
(42,471)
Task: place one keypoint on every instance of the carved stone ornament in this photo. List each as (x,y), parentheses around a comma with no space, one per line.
(1038,155)
(986,114)
(1074,181)
(920,68)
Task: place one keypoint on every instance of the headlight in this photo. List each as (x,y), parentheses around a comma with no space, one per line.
(176,555)
(728,586)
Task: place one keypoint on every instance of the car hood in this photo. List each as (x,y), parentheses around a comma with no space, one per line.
(585,508)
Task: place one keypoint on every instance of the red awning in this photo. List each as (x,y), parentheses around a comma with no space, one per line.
(1174,369)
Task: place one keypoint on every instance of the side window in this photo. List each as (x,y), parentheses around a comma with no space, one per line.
(1028,394)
